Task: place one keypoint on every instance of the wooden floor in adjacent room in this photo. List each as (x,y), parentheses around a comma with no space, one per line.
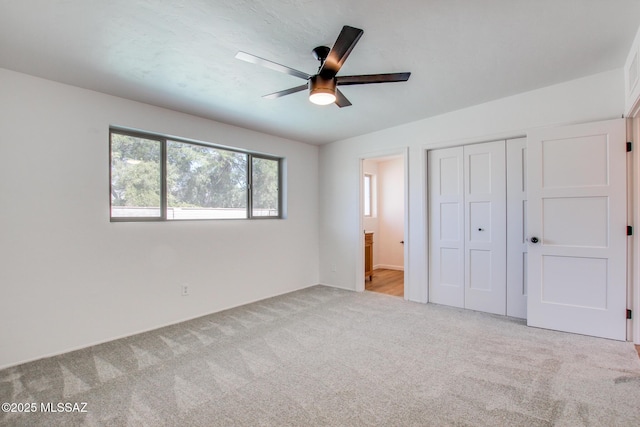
(390,282)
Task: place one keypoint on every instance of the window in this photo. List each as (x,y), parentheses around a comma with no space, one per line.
(156,178)
(205,182)
(265,195)
(135,177)
(368,195)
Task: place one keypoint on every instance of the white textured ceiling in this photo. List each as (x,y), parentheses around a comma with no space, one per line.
(179,54)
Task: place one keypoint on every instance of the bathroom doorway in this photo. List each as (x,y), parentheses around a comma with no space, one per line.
(383,222)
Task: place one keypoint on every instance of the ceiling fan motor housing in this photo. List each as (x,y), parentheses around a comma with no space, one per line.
(320,84)
(322,89)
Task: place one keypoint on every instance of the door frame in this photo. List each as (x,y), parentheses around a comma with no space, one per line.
(359,273)
(633,213)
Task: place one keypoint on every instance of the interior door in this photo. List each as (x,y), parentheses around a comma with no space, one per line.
(485,227)
(577,229)
(446,226)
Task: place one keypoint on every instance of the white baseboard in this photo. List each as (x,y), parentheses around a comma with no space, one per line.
(388,267)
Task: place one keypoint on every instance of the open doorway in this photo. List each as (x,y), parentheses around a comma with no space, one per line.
(383,222)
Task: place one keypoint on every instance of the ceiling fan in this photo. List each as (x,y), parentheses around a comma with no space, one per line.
(322,86)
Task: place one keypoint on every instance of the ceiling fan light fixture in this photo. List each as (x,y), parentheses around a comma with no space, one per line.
(322,98)
(322,91)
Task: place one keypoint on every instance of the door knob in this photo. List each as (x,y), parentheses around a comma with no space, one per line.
(534,240)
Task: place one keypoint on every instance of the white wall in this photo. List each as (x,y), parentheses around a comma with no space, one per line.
(596,97)
(70,278)
(391,214)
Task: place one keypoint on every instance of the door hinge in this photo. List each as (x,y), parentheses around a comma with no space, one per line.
(629,146)
(629,314)
(629,230)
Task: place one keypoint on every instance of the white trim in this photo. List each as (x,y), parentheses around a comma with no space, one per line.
(634,301)
(388,267)
(360,221)
(634,109)
(359,273)
(632,89)
(407,234)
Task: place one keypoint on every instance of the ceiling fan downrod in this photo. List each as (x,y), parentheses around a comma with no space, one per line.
(321,53)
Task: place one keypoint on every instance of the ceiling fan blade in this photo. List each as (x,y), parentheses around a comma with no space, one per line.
(343,46)
(244,56)
(281,93)
(372,78)
(341,100)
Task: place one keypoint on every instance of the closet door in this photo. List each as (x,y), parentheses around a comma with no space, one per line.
(446,226)
(517,228)
(485,227)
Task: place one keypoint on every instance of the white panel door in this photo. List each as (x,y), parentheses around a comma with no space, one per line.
(485,227)
(577,229)
(517,228)
(446,227)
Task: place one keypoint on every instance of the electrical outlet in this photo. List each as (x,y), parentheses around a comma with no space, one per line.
(334,267)
(185,290)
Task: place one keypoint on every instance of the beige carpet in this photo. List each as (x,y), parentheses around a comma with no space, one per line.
(326,357)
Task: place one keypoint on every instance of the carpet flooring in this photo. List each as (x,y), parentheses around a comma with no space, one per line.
(327,357)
